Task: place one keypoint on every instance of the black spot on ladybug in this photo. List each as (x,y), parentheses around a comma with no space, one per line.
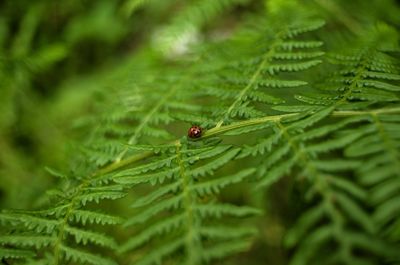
(194,132)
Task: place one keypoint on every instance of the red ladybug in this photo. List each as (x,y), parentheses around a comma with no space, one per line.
(194,132)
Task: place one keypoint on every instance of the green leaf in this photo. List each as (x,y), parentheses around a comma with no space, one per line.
(15,253)
(85,236)
(163,226)
(214,186)
(76,255)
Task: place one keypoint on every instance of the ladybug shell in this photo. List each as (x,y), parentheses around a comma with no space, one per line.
(194,132)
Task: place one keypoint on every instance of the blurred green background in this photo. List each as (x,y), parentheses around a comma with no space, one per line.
(48,51)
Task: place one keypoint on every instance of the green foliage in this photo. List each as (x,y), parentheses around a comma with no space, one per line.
(61,231)
(299,157)
(183,212)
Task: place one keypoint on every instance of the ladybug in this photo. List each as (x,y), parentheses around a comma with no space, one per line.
(194,132)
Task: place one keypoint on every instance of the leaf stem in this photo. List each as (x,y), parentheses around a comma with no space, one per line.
(241,124)
(191,234)
(122,163)
(253,79)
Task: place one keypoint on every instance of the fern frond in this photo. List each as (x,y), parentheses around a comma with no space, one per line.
(251,78)
(214,186)
(340,208)
(27,241)
(380,150)
(6,253)
(176,211)
(79,256)
(298,144)
(49,231)
(361,79)
(125,127)
(367,76)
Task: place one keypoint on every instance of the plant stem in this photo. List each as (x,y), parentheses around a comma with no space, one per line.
(121,163)
(275,118)
(241,124)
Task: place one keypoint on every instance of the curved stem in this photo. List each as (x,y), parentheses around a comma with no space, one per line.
(241,124)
